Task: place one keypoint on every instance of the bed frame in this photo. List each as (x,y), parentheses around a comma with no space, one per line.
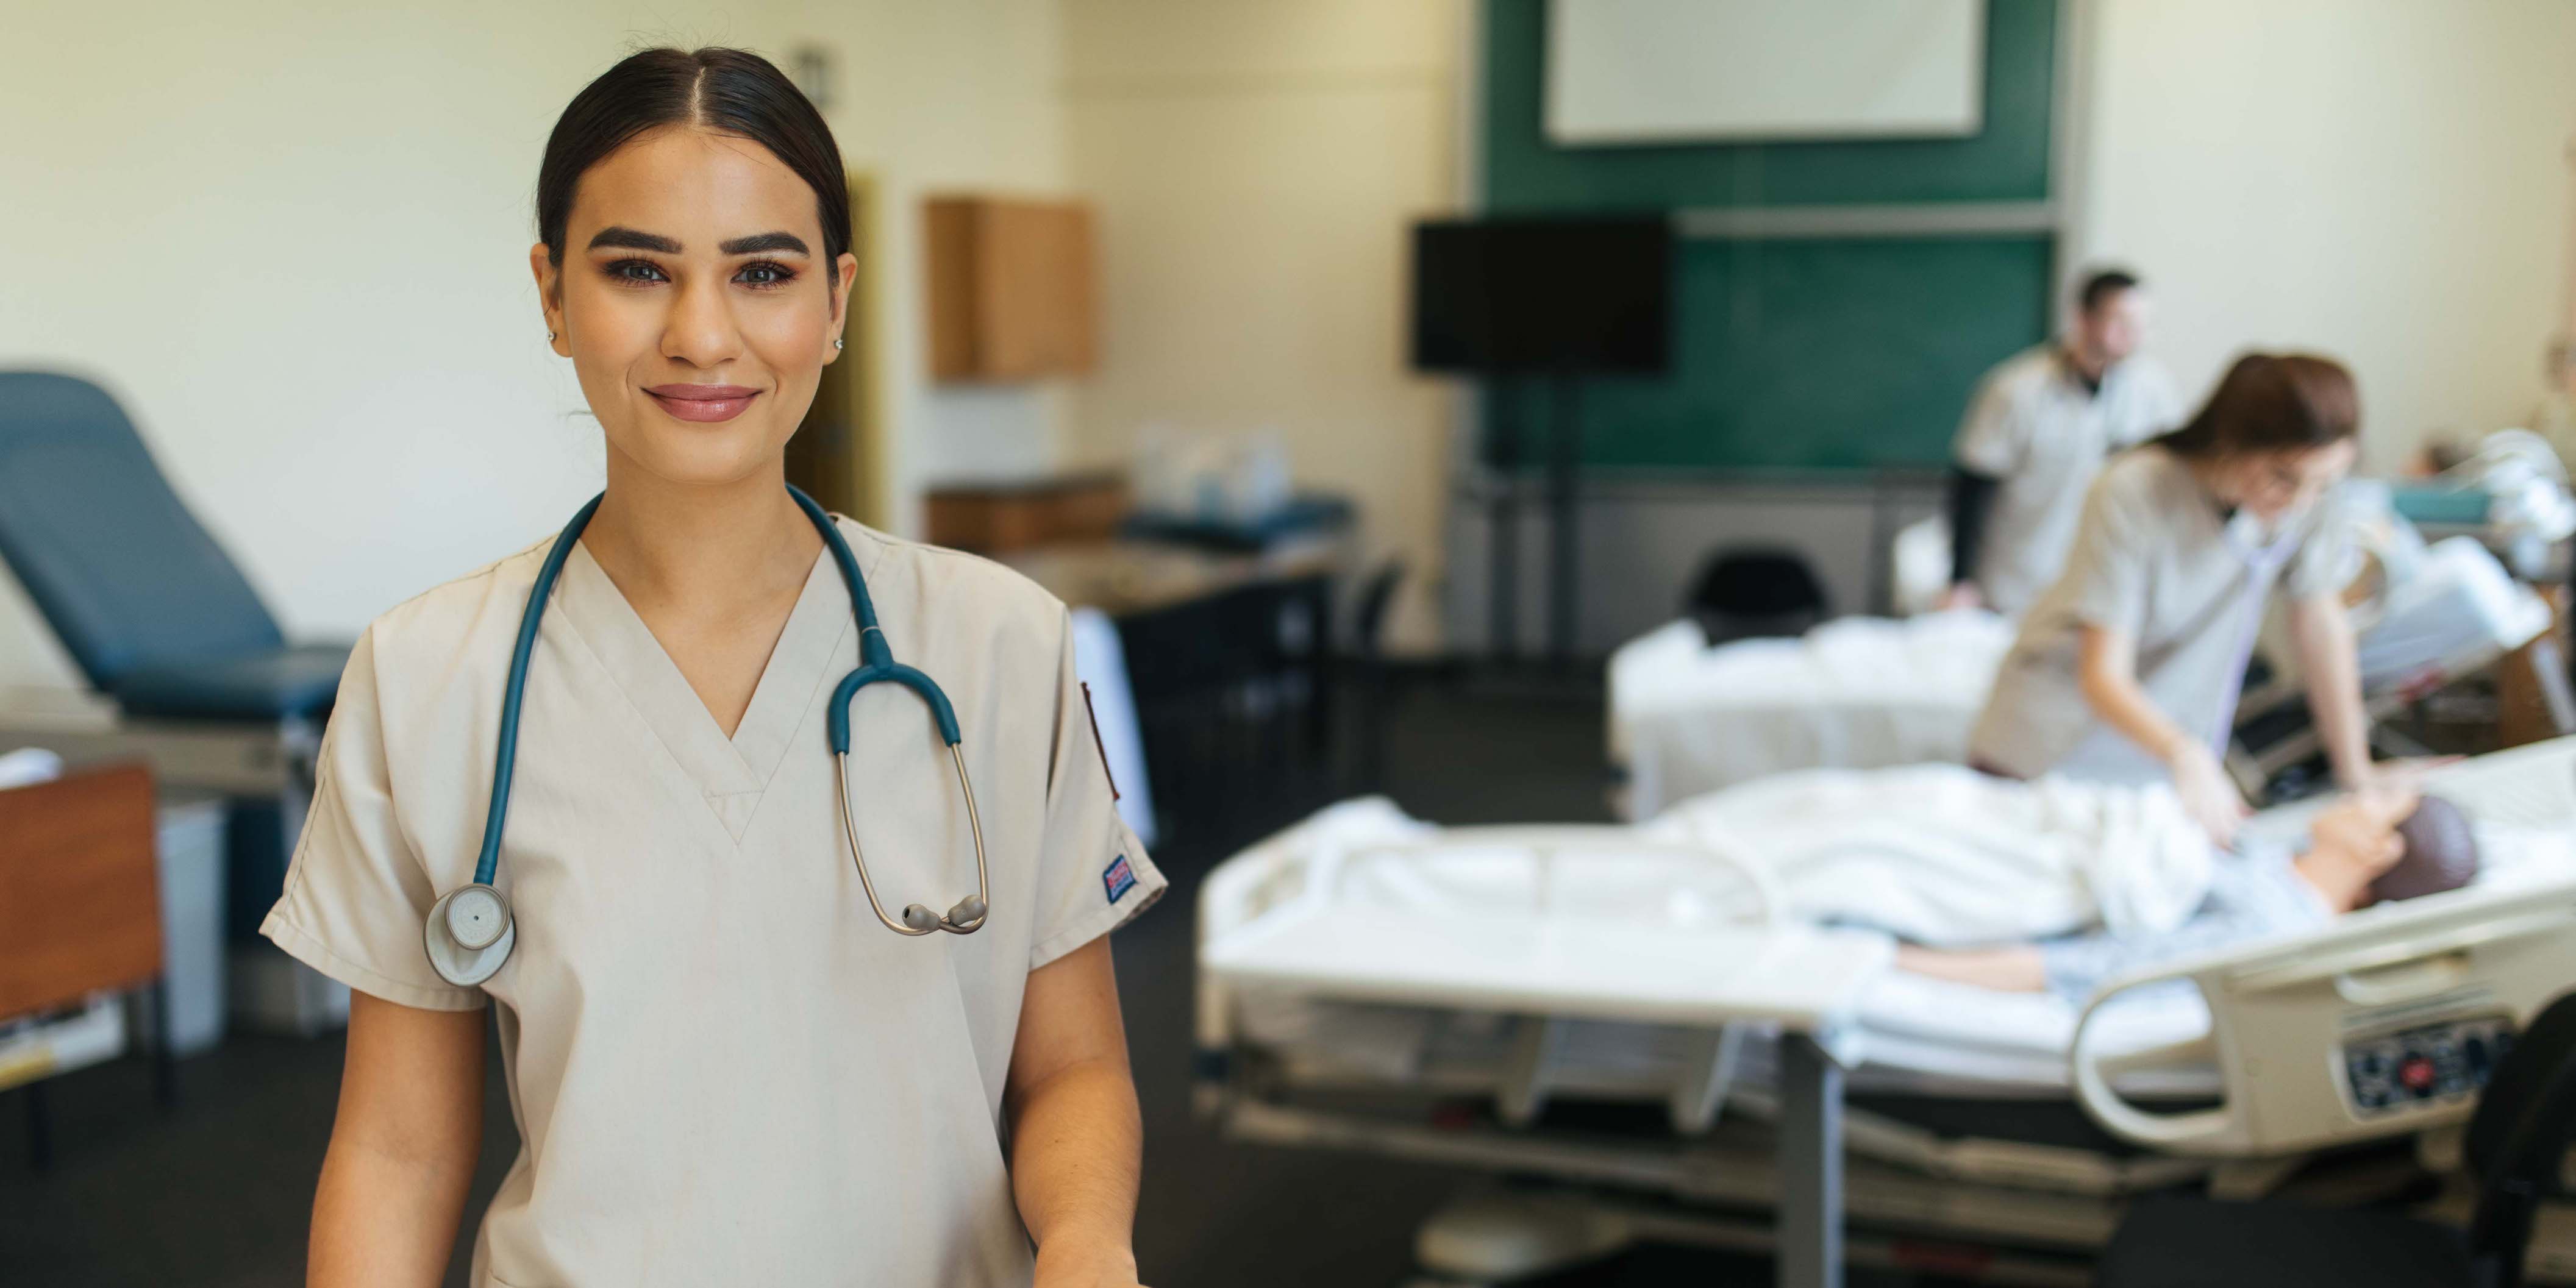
(2016,1191)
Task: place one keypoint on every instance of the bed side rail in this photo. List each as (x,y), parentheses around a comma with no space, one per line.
(2386,1024)
(1302,867)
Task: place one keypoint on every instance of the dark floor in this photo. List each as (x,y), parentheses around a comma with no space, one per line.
(217,1192)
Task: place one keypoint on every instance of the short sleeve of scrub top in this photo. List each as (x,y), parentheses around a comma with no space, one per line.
(2111,562)
(355,912)
(2155,560)
(2149,403)
(1092,872)
(2324,564)
(1995,435)
(722,1066)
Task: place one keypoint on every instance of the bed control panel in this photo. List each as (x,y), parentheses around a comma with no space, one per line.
(2394,1072)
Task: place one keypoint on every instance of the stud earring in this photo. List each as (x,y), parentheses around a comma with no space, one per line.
(550,337)
(837,344)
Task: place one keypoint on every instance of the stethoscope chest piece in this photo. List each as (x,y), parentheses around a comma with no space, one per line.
(469,934)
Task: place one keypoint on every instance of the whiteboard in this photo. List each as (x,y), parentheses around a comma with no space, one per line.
(1673,71)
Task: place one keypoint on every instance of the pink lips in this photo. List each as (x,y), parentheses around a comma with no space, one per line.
(702,402)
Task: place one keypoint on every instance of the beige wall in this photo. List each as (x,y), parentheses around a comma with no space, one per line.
(1256,165)
(957,94)
(2381,180)
(292,239)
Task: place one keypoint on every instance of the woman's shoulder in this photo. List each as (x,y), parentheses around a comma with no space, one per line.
(2146,475)
(441,623)
(2149,464)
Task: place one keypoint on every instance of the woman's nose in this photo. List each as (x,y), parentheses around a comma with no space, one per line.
(700,330)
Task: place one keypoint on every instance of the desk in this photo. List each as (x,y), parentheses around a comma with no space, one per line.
(1807,981)
(80,914)
(1208,636)
(1126,578)
(265,767)
(232,758)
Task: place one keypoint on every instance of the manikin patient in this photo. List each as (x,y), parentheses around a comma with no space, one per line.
(2374,846)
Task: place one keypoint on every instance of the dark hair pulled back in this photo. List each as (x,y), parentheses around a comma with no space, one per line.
(2269,403)
(731,91)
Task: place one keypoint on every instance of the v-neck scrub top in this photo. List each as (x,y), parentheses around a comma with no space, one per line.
(2043,435)
(2156,559)
(723,1068)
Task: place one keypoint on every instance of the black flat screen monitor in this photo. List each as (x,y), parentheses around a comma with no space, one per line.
(1561,296)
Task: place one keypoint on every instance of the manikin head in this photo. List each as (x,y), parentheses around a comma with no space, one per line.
(2391,843)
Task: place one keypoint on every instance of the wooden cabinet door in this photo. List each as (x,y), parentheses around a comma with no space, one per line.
(1012,289)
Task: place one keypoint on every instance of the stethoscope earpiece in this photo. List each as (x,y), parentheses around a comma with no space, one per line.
(964,919)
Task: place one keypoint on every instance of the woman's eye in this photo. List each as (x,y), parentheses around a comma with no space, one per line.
(764,274)
(635,270)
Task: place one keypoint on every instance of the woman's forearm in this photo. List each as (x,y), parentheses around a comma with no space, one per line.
(403,1147)
(1077,1149)
(385,1220)
(2322,633)
(1077,1144)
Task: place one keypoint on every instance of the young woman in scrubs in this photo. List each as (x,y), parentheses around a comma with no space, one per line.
(722,1067)
(2130,665)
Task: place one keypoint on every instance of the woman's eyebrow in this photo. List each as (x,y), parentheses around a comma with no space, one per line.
(630,239)
(765,242)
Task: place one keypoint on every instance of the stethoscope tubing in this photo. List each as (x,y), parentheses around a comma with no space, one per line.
(487,861)
(858,857)
(876,664)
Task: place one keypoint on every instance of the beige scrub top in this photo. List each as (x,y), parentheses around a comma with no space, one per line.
(723,1068)
(2155,558)
(2035,427)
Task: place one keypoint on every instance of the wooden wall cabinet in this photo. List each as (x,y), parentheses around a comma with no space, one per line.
(1012,288)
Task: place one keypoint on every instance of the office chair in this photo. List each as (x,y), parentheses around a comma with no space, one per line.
(1744,592)
(1376,679)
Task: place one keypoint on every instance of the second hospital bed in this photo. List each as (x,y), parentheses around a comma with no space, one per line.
(1861,693)
(1967,1148)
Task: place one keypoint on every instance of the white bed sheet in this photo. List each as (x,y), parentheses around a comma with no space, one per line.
(1915,1034)
(1867,692)
(1859,693)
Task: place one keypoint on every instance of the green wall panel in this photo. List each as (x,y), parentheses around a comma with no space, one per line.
(1798,353)
(2007,160)
(1812,354)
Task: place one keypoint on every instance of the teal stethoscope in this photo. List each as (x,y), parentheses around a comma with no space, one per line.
(470,930)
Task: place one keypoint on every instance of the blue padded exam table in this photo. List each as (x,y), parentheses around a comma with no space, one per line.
(188,668)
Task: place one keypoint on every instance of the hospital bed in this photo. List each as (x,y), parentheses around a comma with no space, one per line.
(2429,615)
(2001,1134)
(1865,693)
(1858,693)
